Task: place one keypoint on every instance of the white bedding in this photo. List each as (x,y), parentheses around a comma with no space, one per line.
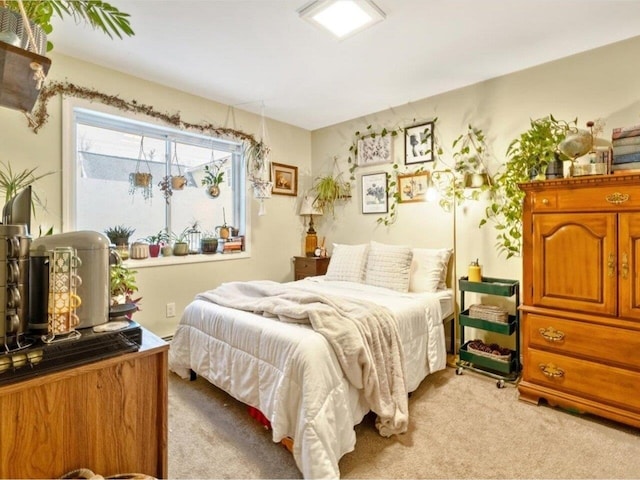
(291,374)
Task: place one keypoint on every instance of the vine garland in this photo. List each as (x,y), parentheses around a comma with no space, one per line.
(40,116)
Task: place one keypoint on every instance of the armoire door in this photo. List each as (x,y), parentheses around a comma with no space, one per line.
(629,265)
(575,261)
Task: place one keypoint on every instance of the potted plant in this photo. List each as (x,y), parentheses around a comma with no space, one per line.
(100,15)
(213,177)
(122,283)
(530,156)
(12,182)
(156,241)
(328,190)
(209,243)
(180,242)
(119,236)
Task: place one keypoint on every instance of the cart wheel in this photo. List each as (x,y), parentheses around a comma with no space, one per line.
(459,371)
(500,383)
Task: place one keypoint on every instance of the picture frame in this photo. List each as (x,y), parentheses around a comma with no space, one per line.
(418,143)
(284,178)
(374,150)
(375,194)
(413,187)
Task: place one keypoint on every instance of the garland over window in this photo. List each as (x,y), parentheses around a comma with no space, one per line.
(39,117)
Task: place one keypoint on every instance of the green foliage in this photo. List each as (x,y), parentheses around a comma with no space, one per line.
(122,281)
(100,15)
(213,174)
(529,154)
(161,237)
(12,182)
(328,190)
(119,233)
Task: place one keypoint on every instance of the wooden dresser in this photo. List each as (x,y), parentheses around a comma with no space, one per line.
(109,416)
(581,295)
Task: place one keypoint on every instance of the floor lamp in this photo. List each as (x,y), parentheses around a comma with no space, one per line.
(432,195)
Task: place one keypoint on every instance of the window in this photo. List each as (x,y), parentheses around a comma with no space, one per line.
(108,149)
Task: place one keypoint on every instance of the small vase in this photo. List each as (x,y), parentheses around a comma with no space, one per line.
(209,245)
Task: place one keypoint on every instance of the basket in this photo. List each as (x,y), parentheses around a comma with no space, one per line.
(473,348)
(489,312)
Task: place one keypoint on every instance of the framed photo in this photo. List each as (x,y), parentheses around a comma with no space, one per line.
(413,187)
(374,151)
(418,144)
(284,178)
(375,198)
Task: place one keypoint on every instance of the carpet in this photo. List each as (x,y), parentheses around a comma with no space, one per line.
(461,426)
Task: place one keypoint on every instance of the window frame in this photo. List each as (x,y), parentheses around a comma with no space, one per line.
(68,196)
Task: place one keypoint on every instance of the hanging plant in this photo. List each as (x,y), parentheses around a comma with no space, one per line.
(178,182)
(330,188)
(166,187)
(213,176)
(141,180)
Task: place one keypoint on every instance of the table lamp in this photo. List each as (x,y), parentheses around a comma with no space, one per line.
(308,207)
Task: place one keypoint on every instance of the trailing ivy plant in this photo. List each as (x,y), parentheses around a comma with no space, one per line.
(527,154)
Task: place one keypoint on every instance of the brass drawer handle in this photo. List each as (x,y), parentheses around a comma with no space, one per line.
(611,264)
(545,201)
(617,198)
(625,265)
(550,334)
(550,370)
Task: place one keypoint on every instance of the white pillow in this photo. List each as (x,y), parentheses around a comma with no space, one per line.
(429,269)
(347,263)
(388,266)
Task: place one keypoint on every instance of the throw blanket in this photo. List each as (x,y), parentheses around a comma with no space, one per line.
(363,335)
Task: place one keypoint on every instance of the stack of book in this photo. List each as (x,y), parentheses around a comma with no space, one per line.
(231,244)
(626,149)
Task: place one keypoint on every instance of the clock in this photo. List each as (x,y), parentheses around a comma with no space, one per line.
(317,252)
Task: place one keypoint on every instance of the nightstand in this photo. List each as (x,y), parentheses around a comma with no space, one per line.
(309,266)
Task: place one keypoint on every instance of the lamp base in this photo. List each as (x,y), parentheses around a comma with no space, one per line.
(310,244)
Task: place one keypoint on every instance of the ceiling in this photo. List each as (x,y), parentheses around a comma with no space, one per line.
(250,53)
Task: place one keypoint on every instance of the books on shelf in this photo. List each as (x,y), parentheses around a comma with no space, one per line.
(624,141)
(231,244)
(626,149)
(626,158)
(625,132)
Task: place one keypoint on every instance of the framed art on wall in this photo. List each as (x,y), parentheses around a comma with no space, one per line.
(374,151)
(374,193)
(284,178)
(413,187)
(418,143)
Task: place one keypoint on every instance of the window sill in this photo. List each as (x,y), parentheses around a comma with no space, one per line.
(184,259)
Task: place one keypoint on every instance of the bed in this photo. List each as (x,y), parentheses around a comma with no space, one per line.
(305,385)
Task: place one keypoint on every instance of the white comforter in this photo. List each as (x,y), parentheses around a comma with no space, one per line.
(291,373)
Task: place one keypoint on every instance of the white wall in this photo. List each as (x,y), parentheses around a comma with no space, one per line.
(601,83)
(276,237)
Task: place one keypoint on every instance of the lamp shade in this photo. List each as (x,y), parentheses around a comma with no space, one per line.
(308,207)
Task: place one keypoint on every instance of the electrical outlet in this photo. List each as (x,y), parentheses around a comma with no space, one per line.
(171,310)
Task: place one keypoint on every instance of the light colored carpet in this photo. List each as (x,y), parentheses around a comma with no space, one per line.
(461,426)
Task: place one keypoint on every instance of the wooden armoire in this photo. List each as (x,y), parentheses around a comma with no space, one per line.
(581,295)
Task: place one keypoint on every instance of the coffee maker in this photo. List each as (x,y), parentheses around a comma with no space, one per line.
(92,251)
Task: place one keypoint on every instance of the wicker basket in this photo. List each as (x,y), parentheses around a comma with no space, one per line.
(482,353)
(489,312)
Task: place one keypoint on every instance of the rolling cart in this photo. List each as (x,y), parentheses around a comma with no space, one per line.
(502,369)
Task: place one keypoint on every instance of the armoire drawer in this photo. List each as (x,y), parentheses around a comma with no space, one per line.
(600,382)
(602,198)
(603,343)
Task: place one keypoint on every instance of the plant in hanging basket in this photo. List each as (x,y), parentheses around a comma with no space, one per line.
(178,182)
(213,177)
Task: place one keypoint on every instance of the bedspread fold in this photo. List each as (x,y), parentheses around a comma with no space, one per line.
(363,335)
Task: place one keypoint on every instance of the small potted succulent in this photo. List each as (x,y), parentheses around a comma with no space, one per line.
(119,236)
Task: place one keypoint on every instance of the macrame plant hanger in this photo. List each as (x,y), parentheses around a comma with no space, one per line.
(261,184)
(141,180)
(38,72)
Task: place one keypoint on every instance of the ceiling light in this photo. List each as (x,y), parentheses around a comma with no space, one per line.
(342,17)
